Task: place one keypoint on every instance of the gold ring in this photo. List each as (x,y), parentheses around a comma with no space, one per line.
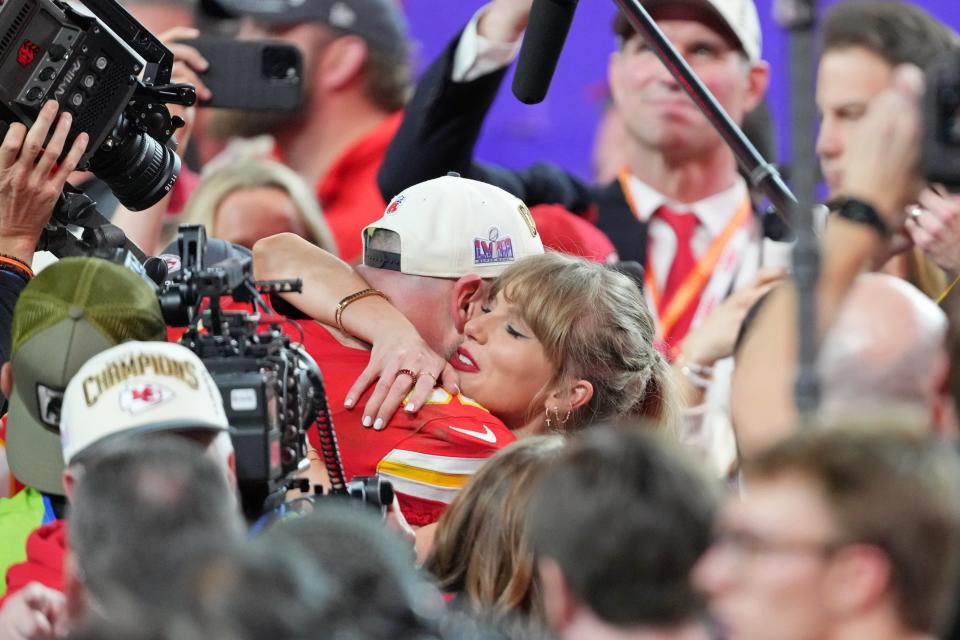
(427,373)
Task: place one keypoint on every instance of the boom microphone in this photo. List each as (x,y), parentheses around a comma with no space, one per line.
(549,23)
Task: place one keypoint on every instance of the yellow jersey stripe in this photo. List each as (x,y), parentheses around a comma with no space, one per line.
(432,462)
(404,487)
(425,476)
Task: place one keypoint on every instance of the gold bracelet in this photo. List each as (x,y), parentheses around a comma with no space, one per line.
(350,299)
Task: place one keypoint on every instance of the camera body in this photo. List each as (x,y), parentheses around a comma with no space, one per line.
(272,389)
(270,395)
(109,77)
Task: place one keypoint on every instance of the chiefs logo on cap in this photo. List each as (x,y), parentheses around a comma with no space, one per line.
(394,204)
(137,397)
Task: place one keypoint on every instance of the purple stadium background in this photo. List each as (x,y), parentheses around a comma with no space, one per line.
(561,128)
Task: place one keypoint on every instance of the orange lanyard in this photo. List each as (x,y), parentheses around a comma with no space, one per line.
(693,285)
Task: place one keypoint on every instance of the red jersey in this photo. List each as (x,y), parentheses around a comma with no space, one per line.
(428,456)
(348,191)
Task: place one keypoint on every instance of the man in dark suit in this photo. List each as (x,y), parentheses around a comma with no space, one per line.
(679,206)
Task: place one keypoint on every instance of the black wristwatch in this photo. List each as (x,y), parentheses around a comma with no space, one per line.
(861,212)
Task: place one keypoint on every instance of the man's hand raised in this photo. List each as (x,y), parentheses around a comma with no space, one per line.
(934,226)
(504,20)
(31,180)
(882,165)
(188,64)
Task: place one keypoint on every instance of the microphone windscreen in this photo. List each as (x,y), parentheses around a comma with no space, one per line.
(546,32)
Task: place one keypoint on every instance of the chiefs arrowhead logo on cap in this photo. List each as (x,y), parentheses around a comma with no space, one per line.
(394,204)
(137,397)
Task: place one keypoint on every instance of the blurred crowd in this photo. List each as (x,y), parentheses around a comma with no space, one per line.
(580,391)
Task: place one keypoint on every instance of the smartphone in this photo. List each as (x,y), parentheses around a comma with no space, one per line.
(260,75)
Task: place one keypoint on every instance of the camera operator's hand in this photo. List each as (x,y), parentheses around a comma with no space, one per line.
(31,180)
(881,165)
(395,350)
(36,612)
(934,225)
(187,65)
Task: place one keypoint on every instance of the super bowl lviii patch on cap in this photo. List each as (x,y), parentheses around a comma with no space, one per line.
(495,248)
(138,387)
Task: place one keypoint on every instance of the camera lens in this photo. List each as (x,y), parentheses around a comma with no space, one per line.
(139,170)
(281,63)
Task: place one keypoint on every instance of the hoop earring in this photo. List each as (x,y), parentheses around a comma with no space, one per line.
(556,412)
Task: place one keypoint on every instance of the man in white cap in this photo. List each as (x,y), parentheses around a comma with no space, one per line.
(132,390)
(679,206)
(679,202)
(429,255)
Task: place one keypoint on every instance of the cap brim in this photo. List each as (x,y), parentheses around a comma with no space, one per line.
(169,426)
(268,11)
(33,452)
(704,5)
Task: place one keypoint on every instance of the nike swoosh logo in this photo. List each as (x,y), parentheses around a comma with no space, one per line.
(487,436)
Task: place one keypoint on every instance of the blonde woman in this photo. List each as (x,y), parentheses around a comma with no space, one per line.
(251,199)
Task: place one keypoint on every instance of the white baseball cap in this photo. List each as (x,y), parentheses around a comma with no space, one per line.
(739,15)
(138,387)
(450,227)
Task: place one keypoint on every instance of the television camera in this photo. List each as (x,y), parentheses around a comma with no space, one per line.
(272,389)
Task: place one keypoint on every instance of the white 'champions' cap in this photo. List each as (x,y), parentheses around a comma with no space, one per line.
(138,387)
(450,227)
